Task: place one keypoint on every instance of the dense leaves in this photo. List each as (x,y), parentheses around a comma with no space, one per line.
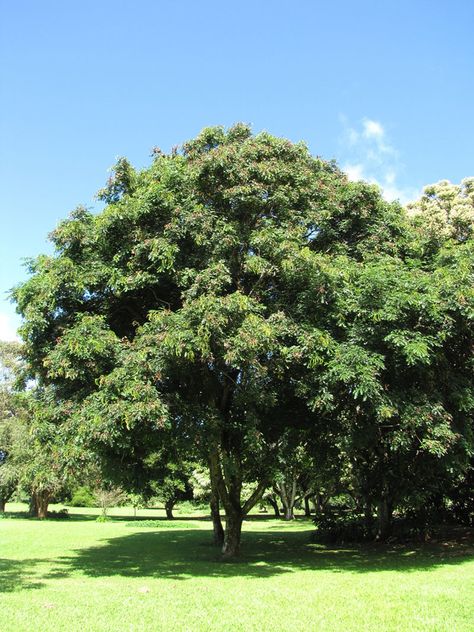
(240,291)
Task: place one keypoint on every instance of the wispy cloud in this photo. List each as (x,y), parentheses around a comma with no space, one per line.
(369,155)
(7,327)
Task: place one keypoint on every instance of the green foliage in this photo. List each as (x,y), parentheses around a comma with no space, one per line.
(239,289)
(13,420)
(82,497)
(445,210)
(103,518)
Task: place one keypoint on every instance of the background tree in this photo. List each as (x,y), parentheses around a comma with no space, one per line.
(108,497)
(13,414)
(45,456)
(445,210)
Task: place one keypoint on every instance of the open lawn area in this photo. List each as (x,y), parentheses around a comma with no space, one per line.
(153,574)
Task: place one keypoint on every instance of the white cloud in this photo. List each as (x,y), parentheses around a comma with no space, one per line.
(373,129)
(354,172)
(369,155)
(7,328)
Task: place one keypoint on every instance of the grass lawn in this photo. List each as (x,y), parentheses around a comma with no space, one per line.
(78,574)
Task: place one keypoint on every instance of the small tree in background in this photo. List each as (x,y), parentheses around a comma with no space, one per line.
(108,497)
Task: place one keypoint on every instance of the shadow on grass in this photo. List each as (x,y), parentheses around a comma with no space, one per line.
(90,517)
(75,517)
(184,554)
(16,574)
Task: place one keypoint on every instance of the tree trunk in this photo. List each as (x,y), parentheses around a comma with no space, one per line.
(169,504)
(32,508)
(217,528)
(289,514)
(229,488)
(288,500)
(319,502)
(273,502)
(233,530)
(384,518)
(368,516)
(42,502)
(307,508)
(6,495)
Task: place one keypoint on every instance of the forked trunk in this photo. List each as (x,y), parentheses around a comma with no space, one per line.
(288,499)
(229,488)
(233,530)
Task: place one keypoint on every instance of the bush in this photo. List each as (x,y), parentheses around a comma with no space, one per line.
(83,497)
(62,514)
(191,506)
(338,527)
(344,527)
(103,518)
(462,500)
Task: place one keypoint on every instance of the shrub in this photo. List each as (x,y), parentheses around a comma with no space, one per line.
(83,497)
(103,518)
(62,514)
(338,527)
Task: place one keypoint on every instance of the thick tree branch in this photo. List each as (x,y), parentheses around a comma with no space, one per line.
(255,497)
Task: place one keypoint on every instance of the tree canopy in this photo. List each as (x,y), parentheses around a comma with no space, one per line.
(239,288)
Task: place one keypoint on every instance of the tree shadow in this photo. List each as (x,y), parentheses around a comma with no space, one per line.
(73,517)
(183,554)
(17,575)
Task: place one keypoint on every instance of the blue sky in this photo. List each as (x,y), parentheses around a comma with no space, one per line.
(385,87)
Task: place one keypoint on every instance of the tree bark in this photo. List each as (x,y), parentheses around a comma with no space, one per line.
(233,530)
(367,516)
(319,502)
(307,508)
(32,508)
(288,499)
(273,502)
(217,528)
(229,488)
(384,518)
(42,502)
(169,504)
(6,495)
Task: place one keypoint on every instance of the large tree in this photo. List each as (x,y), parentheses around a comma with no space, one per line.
(218,298)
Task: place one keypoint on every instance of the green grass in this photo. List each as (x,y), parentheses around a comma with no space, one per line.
(146,575)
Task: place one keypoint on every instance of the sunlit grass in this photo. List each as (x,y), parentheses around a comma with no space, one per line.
(78,574)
